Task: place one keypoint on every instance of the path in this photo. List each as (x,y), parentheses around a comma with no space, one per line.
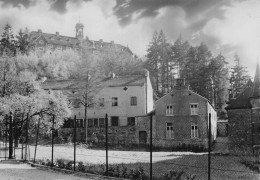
(221,145)
(26,172)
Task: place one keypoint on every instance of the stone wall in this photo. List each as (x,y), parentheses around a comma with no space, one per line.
(222,129)
(240,131)
(118,135)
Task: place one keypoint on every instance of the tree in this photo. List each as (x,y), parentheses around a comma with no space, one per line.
(180,49)
(23,42)
(8,75)
(159,64)
(238,78)
(7,42)
(26,110)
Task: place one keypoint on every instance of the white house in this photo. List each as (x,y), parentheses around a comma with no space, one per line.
(122,98)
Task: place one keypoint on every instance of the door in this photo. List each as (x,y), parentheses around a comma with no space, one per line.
(142,137)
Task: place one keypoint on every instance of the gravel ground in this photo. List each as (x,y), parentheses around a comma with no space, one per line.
(26,172)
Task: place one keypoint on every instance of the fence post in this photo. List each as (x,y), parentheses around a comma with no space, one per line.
(27,128)
(75,136)
(106,124)
(151,146)
(11,137)
(36,142)
(5,138)
(52,138)
(209,146)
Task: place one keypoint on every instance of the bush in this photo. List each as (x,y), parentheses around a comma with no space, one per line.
(61,163)
(69,165)
(173,175)
(81,167)
(138,174)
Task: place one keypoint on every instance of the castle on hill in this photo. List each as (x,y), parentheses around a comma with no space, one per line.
(42,41)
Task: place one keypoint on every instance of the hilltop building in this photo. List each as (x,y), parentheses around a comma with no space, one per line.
(41,41)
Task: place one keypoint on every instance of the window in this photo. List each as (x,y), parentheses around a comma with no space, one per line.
(193,109)
(101,122)
(130,121)
(194,130)
(76,103)
(169,131)
(80,123)
(90,122)
(114,121)
(101,102)
(133,101)
(169,110)
(96,122)
(114,101)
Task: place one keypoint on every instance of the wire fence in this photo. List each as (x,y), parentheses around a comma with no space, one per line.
(205,165)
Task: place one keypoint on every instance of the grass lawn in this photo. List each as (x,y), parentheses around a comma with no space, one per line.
(222,167)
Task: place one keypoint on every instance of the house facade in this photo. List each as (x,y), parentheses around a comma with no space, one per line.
(182,117)
(243,119)
(122,98)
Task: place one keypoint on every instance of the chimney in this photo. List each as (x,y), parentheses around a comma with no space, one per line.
(180,82)
(39,31)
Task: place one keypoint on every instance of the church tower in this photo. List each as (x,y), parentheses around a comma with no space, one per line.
(79,30)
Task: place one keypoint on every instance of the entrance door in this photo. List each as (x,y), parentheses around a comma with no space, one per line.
(142,137)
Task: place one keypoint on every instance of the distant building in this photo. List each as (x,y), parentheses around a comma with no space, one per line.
(182,117)
(41,41)
(122,98)
(243,118)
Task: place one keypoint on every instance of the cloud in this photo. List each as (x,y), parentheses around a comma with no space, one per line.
(125,8)
(16,3)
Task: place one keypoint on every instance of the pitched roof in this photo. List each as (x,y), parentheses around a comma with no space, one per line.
(242,101)
(73,41)
(256,92)
(55,39)
(121,81)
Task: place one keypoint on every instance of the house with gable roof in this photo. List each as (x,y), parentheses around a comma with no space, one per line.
(244,118)
(122,98)
(182,118)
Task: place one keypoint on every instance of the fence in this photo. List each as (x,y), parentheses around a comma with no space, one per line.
(155,165)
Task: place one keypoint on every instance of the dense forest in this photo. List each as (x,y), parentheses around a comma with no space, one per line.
(206,74)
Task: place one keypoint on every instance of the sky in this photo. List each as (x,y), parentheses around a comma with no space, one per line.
(226,26)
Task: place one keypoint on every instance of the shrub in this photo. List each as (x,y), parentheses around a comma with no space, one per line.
(69,165)
(81,167)
(138,174)
(173,175)
(61,163)
(124,172)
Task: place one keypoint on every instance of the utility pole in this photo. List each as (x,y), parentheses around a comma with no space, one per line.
(52,138)
(11,136)
(209,147)
(151,146)
(75,140)
(106,123)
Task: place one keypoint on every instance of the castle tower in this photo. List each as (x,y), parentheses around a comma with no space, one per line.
(79,30)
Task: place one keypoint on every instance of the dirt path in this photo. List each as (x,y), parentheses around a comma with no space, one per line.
(26,172)
(221,145)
